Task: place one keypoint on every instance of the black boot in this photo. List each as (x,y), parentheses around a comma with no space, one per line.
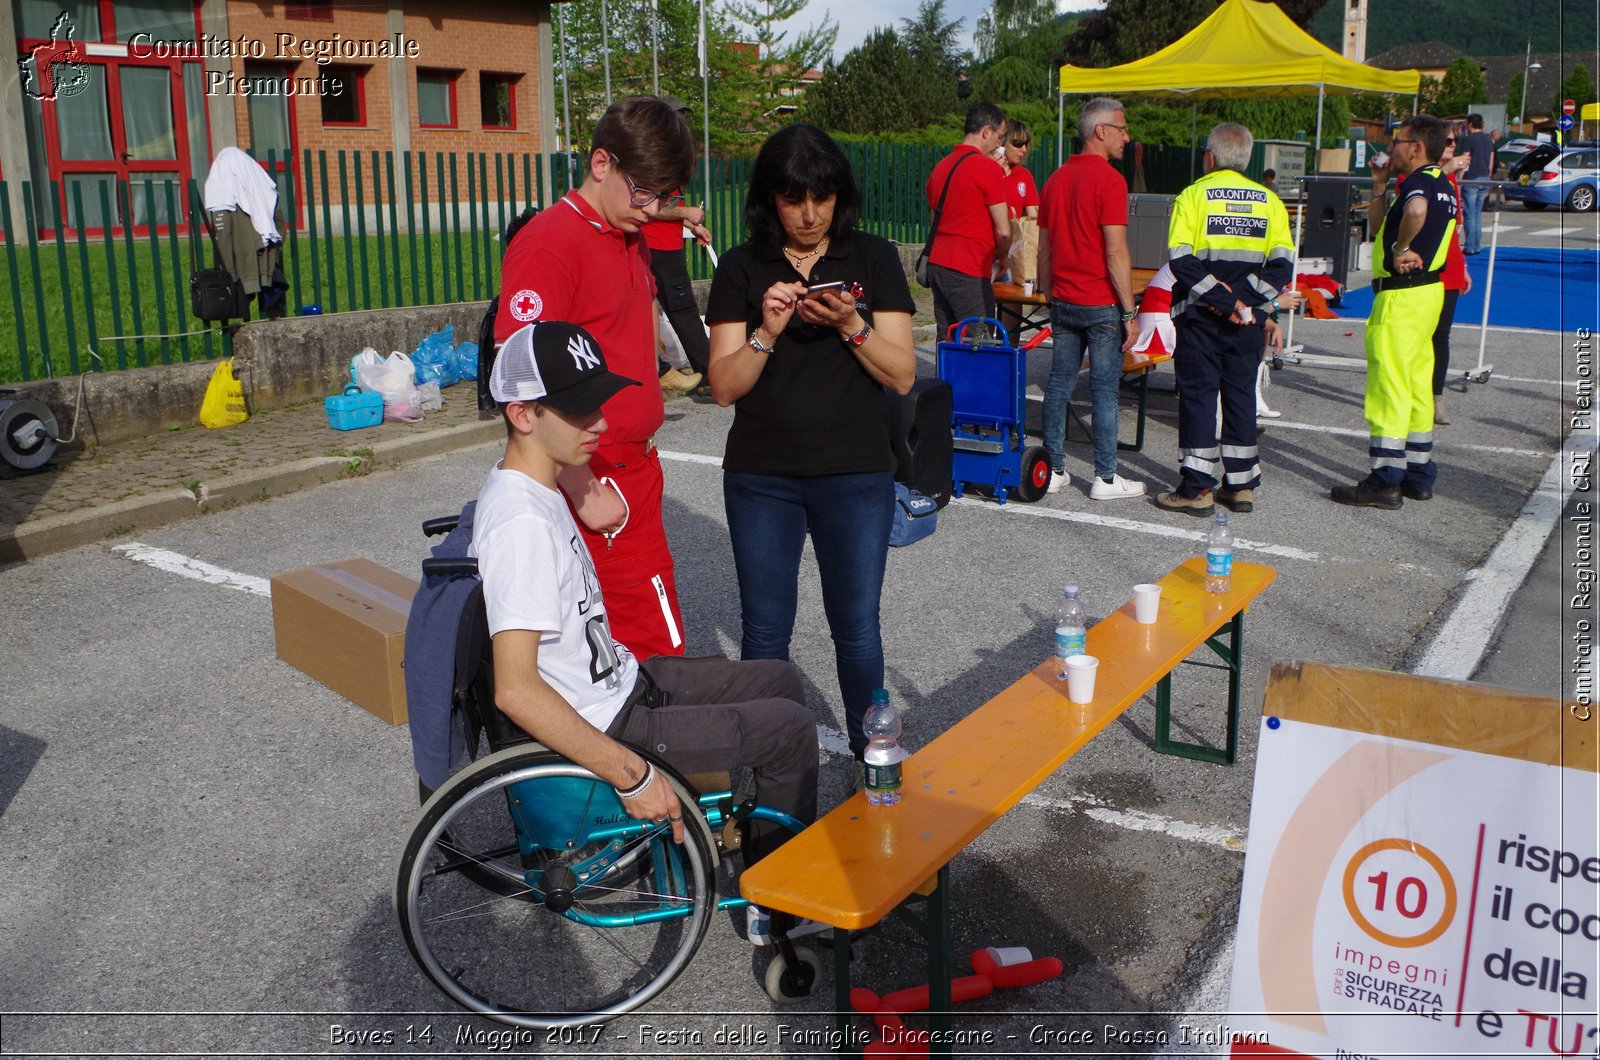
(1365,495)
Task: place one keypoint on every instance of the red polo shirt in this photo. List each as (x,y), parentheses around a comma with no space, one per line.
(965,240)
(568,264)
(1021,192)
(664,235)
(1081,196)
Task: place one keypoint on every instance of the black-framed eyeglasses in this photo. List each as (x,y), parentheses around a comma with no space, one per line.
(1450,141)
(642,197)
(1021,143)
(1114,125)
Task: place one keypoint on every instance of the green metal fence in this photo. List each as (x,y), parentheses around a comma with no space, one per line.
(368,230)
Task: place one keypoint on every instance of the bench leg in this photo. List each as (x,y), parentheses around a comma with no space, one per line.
(939,964)
(1142,388)
(1232,655)
(841,986)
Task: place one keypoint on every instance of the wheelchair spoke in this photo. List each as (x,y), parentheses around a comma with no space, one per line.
(481,886)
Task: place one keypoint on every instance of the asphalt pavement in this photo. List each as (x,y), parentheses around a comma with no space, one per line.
(200,840)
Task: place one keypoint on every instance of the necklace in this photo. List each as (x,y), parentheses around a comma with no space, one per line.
(798,258)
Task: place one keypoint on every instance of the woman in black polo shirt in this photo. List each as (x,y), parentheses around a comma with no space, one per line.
(809,448)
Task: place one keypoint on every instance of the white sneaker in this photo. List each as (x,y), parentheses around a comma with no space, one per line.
(758,926)
(1116,489)
(1059,480)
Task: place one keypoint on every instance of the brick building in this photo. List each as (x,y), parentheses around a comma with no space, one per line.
(149,90)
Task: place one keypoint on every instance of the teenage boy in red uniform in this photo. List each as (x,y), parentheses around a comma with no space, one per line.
(585,261)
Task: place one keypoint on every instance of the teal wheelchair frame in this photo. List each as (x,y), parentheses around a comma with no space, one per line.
(527,894)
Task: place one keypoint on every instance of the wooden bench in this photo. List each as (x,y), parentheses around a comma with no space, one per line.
(1135,367)
(858,864)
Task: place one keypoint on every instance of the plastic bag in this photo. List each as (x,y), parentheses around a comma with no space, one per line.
(467,360)
(395,378)
(430,400)
(223,404)
(435,358)
(669,349)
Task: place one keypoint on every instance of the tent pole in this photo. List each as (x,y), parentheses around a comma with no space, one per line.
(1193,136)
(1061,125)
(1316,147)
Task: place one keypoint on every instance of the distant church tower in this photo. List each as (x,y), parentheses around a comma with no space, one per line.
(1355,30)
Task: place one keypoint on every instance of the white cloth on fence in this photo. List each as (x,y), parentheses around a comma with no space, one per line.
(237,182)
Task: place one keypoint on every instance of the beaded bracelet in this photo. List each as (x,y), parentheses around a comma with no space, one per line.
(638,789)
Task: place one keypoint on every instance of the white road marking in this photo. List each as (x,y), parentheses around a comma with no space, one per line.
(1459,645)
(1154,529)
(689,458)
(183,566)
(833,741)
(1351,432)
(1498,378)
(1139,821)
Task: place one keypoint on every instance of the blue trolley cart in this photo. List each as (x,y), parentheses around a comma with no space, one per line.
(987,376)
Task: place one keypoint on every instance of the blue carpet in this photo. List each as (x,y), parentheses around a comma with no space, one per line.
(1555,290)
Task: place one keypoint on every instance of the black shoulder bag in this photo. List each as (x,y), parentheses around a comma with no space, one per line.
(933,226)
(215,294)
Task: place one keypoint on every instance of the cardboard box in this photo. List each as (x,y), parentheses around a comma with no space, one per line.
(344,623)
(1333,160)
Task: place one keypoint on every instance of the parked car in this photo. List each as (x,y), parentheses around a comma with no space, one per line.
(1530,161)
(1569,179)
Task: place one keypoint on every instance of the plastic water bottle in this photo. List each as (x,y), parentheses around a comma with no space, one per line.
(1071,628)
(1219,555)
(884,753)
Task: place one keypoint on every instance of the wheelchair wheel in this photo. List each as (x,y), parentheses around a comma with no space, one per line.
(527,895)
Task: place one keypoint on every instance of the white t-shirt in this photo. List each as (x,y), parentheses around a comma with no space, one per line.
(537,575)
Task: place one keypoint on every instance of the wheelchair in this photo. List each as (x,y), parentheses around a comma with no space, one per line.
(527,894)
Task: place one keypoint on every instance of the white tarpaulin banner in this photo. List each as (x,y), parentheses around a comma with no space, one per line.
(1423,872)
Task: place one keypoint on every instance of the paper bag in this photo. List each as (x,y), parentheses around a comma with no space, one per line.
(1023,257)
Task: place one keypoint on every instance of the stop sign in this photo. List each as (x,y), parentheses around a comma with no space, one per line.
(1568,106)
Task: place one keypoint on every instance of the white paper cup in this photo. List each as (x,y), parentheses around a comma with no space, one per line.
(1146,603)
(1006,955)
(1080,677)
(1027,288)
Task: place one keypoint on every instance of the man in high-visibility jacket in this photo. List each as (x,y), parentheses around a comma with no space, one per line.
(1413,238)
(1231,253)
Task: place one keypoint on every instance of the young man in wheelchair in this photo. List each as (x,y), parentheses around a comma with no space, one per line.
(558,673)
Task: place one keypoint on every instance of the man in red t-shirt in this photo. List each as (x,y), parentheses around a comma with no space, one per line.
(1083,257)
(973,232)
(584,261)
(675,292)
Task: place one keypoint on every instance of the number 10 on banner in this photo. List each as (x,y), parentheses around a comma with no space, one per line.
(1399,892)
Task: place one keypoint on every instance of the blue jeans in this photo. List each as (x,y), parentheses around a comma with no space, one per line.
(1472,217)
(1072,327)
(848,518)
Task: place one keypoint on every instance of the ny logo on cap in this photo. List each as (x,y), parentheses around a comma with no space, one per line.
(583,357)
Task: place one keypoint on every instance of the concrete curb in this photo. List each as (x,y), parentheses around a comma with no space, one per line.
(87,526)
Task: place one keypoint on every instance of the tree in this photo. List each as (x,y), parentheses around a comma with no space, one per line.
(779,63)
(1131,29)
(1020,43)
(1461,88)
(1514,97)
(879,87)
(931,39)
(1577,86)
(744,89)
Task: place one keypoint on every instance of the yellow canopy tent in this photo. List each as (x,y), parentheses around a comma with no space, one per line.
(1244,49)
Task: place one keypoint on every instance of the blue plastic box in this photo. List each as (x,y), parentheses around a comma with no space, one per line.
(354,409)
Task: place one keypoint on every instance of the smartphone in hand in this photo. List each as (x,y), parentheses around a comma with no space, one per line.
(831,287)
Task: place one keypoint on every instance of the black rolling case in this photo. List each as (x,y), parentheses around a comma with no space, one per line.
(919,428)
